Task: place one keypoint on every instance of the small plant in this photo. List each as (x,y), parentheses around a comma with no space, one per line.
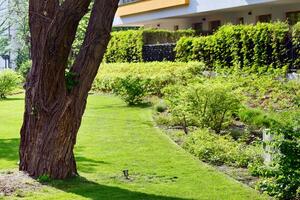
(131,89)
(202,104)
(25,68)
(218,150)
(9,80)
(44,178)
(161,107)
(71,82)
(282,179)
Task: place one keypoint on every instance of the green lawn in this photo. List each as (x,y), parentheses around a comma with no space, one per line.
(112,138)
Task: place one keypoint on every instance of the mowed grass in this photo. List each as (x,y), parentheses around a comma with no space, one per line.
(114,137)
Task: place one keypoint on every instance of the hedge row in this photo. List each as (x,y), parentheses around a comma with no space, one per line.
(127,46)
(264,44)
(156,74)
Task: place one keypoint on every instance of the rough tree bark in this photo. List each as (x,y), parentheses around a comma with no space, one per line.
(53,112)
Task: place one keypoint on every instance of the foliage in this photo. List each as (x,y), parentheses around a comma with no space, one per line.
(131,89)
(158,74)
(161,106)
(264,44)
(296,44)
(160,36)
(256,117)
(127,46)
(281,179)
(9,81)
(71,80)
(44,179)
(25,68)
(202,104)
(268,90)
(219,150)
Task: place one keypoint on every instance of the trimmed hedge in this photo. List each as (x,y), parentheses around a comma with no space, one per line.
(157,75)
(127,46)
(264,44)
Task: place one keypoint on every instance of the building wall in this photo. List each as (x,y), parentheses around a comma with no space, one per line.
(278,12)
(194,7)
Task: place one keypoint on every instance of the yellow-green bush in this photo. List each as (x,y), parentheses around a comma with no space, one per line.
(212,148)
(9,81)
(158,74)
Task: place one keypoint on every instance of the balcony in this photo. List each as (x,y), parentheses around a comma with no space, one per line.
(133,7)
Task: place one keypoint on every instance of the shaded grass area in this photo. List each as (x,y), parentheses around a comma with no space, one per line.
(114,137)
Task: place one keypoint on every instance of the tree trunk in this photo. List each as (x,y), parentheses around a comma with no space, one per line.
(53,110)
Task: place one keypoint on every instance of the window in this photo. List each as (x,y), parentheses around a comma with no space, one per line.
(198,27)
(293,17)
(241,20)
(264,18)
(214,25)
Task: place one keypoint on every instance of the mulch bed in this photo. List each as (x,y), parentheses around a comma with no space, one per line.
(17,183)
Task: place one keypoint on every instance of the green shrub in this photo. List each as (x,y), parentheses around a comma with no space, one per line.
(25,68)
(202,104)
(9,80)
(281,179)
(220,150)
(127,46)
(240,45)
(158,74)
(160,36)
(256,117)
(296,44)
(131,89)
(161,107)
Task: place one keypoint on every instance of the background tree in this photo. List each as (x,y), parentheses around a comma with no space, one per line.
(55,100)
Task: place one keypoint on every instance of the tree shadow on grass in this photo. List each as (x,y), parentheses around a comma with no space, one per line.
(88,165)
(92,190)
(12,99)
(9,149)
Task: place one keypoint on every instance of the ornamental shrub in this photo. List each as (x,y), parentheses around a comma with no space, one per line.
(296,45)
(158,74)
(282,178)
(264,44)
(25,68)
(9,81)
(218,150)
(125,46)
(160,36)
(131,89)
(208,105)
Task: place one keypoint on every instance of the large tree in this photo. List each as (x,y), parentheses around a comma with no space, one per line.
(56,100)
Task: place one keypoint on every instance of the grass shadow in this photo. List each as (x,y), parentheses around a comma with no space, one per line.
(88,165)
(92,190)
(9,149)
(141,105)
(12,99)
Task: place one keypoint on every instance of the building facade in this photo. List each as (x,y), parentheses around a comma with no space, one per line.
(204,15)
(9,45)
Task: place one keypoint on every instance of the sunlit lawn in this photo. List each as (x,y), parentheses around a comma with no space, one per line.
(112,138)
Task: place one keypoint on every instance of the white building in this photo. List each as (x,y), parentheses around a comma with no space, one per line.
(204,15)
(7,32)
